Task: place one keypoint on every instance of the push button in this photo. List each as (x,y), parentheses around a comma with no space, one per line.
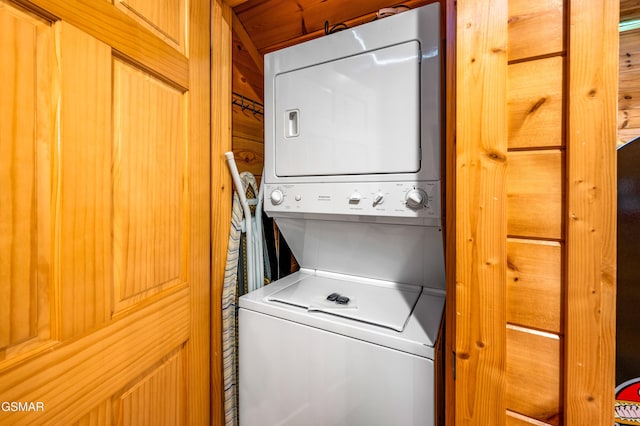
(342,300)
(333,296)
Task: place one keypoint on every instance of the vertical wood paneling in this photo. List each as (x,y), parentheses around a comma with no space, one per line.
(83,198)
(198,348)
(156,399)
(149,183)
(591,212)
(534,375)
(535,28)
(536,113)
(534,185)
(481,218)
(18,184)
(221,188)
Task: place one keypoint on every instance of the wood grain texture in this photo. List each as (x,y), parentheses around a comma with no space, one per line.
(24,44)
(156,399)
(106,23)
(247,82)
(165,18)
(534,284)
(247,43)
(198,348)
(249,155)
(272,25)
(534,374)
(629,10)
(91,362)
(591,212)
(99,355)
(628,119)
(149,189)
(83,200)
(535,28)
(535,186)
(246,125)
(100,415)
(629,80)
(481,217)
(221,188)
(536,103)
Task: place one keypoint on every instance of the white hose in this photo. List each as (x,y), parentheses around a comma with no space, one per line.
(247,217)
(260,256)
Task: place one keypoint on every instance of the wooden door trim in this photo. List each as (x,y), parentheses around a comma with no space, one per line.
(222,190)
(590,299)
(481,211)
(200,104)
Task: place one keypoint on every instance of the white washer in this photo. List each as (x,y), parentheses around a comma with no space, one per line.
(353,180)
(304,362)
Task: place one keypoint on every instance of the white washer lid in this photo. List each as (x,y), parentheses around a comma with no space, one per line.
(383,304)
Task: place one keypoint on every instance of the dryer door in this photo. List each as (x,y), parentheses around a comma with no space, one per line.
(355,115)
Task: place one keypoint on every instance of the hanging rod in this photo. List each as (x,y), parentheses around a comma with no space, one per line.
(247,104)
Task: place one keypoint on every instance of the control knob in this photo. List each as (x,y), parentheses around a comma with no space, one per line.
(276,197)
(416,199)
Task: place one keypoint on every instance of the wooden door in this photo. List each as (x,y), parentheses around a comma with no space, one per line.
(104,212)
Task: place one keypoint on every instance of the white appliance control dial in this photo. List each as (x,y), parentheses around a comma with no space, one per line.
(378,198)
(416,199)
(277,197)
(355,198)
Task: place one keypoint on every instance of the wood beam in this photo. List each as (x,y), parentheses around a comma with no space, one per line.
(221,188)
(242,34)
(591,212)
(481,211)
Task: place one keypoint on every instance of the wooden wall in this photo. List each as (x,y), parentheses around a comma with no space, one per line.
(535,221)
(247,110)
(629,90)
(629,93)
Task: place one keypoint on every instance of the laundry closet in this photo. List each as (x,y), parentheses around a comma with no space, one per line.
(514,316)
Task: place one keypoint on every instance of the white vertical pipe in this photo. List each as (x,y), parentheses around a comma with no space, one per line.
(247,217)
(260,257)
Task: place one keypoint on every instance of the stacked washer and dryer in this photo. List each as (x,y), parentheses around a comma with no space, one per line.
(353,180)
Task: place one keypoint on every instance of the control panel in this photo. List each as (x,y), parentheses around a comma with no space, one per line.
(391,199)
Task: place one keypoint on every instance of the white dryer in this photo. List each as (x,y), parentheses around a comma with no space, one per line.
(353,180)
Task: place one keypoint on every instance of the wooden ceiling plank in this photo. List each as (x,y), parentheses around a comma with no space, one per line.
(275,24)
(629,10)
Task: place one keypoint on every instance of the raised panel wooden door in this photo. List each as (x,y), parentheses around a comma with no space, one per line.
(104,212)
